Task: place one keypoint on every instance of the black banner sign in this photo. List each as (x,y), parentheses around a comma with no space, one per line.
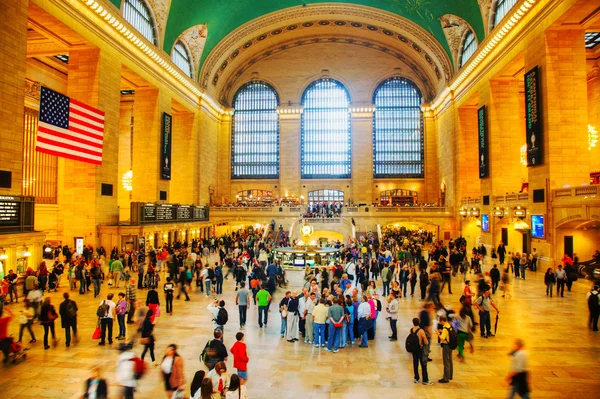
(147,213)
(165,151)
(16,214)
(482,138)
(533,121)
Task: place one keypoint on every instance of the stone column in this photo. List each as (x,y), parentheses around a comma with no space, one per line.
(432,185)
(93,78)
(13,42)
(224,160)
(208,136)
(290,122)
(594,113)
(184,158)
(362,155)
(149,105)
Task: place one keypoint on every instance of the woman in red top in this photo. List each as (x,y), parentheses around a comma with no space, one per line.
(468,294)
(240,357)
(5,341)
(43,276)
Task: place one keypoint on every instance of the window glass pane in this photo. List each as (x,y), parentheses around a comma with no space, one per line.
(468,49)
(398,130)
(325,144)
(137,14)
(181,59)
(255,132)
(319,196)
(502,8)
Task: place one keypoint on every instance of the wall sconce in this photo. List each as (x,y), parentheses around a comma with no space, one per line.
(475,212)
(519,212)
(499,212)
(27,253)
(3,255)
(462,212)
(48,250)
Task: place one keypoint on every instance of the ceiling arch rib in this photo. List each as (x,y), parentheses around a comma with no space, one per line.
(417,72)
(397,34)
(195,39)
(454,29)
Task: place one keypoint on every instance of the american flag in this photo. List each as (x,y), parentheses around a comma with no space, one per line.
(69,128)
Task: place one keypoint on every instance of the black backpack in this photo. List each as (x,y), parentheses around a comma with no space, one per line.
(452,338)
(389,275)
(593,302)
(222,317)
(412,342)
(211,274)
(102,309)
(70,310)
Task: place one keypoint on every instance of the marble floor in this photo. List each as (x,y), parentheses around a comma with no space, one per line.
(564,355)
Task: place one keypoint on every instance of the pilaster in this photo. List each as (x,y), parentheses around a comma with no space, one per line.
(290,123)
(362,154)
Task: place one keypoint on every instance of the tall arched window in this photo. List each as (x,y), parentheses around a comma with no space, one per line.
(398,130)
(255,132)
(181,58)
(469,45)
(319,196)
(137,13)
(499,12)
(325,143)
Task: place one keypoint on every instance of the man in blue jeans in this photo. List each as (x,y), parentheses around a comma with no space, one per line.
(263,299)
(364,312)
(484,303)
(283,311)
(320,313)
(335,319)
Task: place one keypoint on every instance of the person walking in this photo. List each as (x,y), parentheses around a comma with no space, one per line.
(124,372)
(242,300)
(172,371)
(593,301)
(423,283)
(549,280)
(561,280)
(153,302)
(148,336)
(26,321)
(484,303)
(68,317)
(420,356)
(47,316)
(263,298)
(518,376)
(385,278)
(95,386)
(495,276)
(444,336)
(465,331)
(363,315)
(131,292)
(182,284)
(501,251)
(392,316)
(169,289)
(117,270)
(523,262)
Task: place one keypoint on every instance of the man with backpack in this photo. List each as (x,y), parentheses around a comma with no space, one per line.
(68,316)
(107,313)
(484,303)
(214,351)
(386,277)
(220,316)
(449,341)
(416,344)
(593,300)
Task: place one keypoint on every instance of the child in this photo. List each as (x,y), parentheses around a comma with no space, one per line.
(240,357)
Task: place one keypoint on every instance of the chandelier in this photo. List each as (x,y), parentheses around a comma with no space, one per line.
(127,180)
(592,137)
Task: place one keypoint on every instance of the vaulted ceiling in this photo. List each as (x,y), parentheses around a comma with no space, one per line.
(225,16)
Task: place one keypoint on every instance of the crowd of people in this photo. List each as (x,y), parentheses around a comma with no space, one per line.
(324,209)
(339,307)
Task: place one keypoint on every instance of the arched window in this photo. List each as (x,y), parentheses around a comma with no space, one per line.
(469,45)
(325,143)
(137,13)
(499,12)
(255,132)
(398,130)
(181,58)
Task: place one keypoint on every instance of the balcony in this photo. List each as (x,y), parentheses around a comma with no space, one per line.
(395,210)
(270,211)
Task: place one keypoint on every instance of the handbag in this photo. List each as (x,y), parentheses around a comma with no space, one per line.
(97,333)
(144,341)
(284,313)
(338,325)
(157,312)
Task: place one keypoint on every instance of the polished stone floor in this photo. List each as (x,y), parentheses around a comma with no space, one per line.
(564,355)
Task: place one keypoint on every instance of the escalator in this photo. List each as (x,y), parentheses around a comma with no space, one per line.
(590,269)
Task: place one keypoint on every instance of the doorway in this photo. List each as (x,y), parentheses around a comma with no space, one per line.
(505,236)
(568,242)
(526,241)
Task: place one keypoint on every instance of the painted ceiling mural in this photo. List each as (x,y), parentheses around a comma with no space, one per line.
(221,17)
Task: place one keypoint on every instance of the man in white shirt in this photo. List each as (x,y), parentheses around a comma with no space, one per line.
(124,373)
(308,309)
(363,315)
(106,321)
(301,308)
(351,271)
(518,373)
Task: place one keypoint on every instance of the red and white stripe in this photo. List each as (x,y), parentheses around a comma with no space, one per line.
(82,141)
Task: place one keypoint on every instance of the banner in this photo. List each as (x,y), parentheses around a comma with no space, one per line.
(165,153)
(533,128)
(482,135)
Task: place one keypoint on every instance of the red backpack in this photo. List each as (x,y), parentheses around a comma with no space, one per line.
(139,367)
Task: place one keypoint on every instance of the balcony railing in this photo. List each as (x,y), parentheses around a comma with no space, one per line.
(579,193)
